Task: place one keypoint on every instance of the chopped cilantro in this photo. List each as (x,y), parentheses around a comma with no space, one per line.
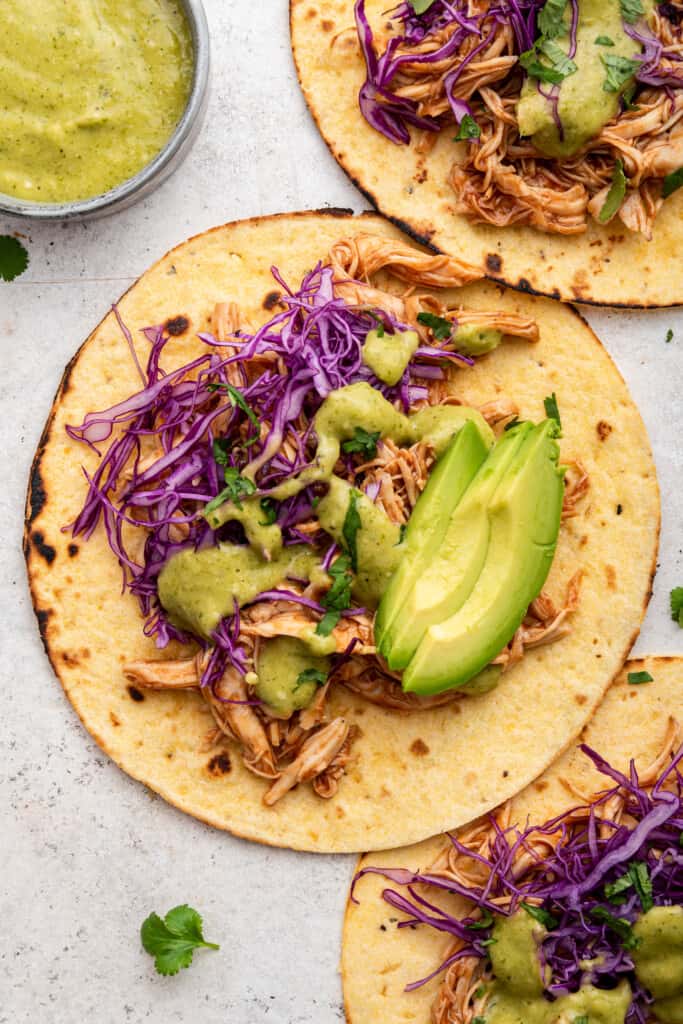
(173,940)
(221,447)
(310,675)
(479,1020)
(560,61)
(380,323)
(236,486)
(676,602)
(363,441)
(420,6)
(604,41)
(620,925)
(583,1019)
(637,877)
(269,509)
(440,327)
(338,597)
(485,921)
(669,336)
(636,678)
(352,524)
(672,182)
(238,399)
(615,196)
(631,10)
(551,409)
(619,70)
(488,942)
(551,18)
(543,917)
(533,67)
(627,97)
(402,532)
(13,258)
(469,129)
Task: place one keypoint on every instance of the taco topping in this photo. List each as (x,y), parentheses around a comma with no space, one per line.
(310,504)
(578,919)
(567,108)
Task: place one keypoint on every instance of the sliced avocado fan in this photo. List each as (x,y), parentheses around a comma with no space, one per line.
(524,514)
(439,571)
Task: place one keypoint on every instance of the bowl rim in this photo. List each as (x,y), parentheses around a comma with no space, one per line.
(152,173)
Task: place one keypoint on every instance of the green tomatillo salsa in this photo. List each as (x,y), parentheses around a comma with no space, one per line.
(90,92)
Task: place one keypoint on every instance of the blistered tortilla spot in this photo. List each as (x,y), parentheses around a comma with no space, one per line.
(525,286)
(271,300)
(611,574)
(115,721)
(177,325)
(580,698)
(327,25)
(421,175)
(620,509)
(219,765)
(604,429)
(384,791)
(470,778)
(419,747)
(494,263)
(37,492)
(45,550)
(135,694)
(584,540)
(540,786)
(340,812)
(311,12)
(69,659)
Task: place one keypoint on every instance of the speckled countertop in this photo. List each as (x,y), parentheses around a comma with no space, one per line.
(86,853)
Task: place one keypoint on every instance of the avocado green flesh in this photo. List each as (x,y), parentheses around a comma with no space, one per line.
(658,960)
(281,661)
(516,994)
(429,519)
(444,578)
(388,355)
(91,92)
(199,588)
(584,106)
(524,516)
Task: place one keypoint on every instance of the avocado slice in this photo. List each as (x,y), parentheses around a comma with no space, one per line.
(447,483)
(437,586)
(525,521)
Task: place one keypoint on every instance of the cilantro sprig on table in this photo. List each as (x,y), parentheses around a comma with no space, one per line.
(173,939)
(676,603)
(13,258)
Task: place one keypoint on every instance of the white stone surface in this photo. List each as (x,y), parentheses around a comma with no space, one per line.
(85,852)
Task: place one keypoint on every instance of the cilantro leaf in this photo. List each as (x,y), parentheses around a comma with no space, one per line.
(338,597)
(627,97)
(620,925)
(269,509)
(173,940)
(469,129)
(676,603)
(636,678)
(440,327)
(535,69)
(669,336)
(13,258)
(604,41)
(551,18)
(583,1019)
(631,10)
(352,524)
(221,447)
(551,409)
(616,194)
(479,1020)
(238,399)
(310,675)
(672,183)
(619,70)
(485,921)
(561,62)
(637,877)
(363,441)
(543,917)
(420,6)
(236,486)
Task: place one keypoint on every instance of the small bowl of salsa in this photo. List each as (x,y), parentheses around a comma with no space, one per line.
(99,101)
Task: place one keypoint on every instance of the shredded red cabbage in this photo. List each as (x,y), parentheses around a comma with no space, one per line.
(160,469)
(569,883)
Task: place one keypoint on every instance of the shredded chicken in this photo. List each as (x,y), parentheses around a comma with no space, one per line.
(373,681)
(240,722)
(543,624)
(399,476)
(502,178)
(363,256)
(316,755)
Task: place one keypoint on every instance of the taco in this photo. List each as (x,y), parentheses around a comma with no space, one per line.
(544,138)
(565,905)
(277,430)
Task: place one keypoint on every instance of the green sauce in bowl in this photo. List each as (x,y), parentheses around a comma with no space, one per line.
(90,92)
